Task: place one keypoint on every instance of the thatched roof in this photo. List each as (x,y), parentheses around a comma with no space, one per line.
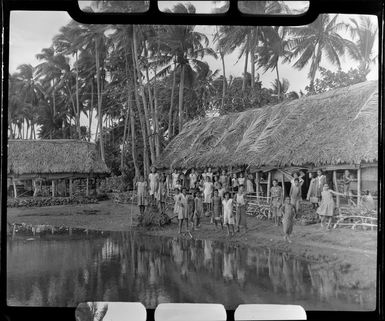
(336,127)
(53,156)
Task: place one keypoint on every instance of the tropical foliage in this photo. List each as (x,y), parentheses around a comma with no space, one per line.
(132,88)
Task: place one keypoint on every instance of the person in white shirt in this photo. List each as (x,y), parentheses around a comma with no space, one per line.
(228,217)
(193,179)
(207,193)
(175,177)
(153,177)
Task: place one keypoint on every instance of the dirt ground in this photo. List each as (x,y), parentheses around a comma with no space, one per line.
(343,246)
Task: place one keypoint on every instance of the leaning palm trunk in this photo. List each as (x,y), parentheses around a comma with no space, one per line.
(224,84)
(170,118)
(99,100)
(146,164)
(278,84)
(156,119)
(252,59)
(181,89)
(91,111)
(124,138)
(245,70)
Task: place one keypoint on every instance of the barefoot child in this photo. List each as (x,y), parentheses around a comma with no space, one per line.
(141,185)
(216,204)
(153,177)
(326,208)
(276,201)
(240,200)
(234,183)
(207,193)
(295,194)
(198,209)
(288,211)
(162,192)
(228,217)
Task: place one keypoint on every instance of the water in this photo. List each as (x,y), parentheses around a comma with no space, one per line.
(63,270)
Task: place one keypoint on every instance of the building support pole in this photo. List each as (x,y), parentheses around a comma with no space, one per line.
(336,189)
(53,188)
(359,186)
(70,187)
(14,187)
(268,184)
(87,186)
(257,184)
(283,187)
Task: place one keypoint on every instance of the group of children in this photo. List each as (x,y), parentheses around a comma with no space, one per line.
(216,196)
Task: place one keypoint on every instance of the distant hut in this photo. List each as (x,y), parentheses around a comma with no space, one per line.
(332,131)
(33,164)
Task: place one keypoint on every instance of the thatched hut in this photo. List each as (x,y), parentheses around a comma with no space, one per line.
(54,161)
(333,131)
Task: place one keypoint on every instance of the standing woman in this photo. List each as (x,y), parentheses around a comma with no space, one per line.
(320,182)
(207,193)
(224,180)
(193,179)
(249,184)
(240,216)
(276,201)
(312,192)
(347,179)
(141,186)
(162,192)
(153,177)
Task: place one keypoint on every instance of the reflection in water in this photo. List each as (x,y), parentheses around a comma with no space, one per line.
(124,266)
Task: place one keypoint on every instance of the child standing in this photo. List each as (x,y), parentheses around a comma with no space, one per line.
(178,208)
(190,208)
(312,192)
(241,179)
(223,179)
(216,204)
(216,182)
(228,217)
(326,208)
(240,200)
(295,194)
(288,211)
(175,177)
(207,192)
(234,183)
(141,186)
(320,182)
(153,177)
(198,209)
(162,191)
(193,179)
(347,179)
(276,201)
(184,212)
(221,191)
(249,184)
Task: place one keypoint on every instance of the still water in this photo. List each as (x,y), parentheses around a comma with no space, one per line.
(63,270)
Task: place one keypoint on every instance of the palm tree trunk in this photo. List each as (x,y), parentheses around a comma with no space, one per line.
(224,83)
(133,134)
(156,119)
(252,59)
(170,118)
(278,83)
(245,69)
(181,89)
(99,99)
(77,97)
(124,138)
(146,114)
(91,110)
(146,162)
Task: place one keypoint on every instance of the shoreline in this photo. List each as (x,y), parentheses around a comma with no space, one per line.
(344,247)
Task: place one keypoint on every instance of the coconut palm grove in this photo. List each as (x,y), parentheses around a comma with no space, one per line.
(191,183)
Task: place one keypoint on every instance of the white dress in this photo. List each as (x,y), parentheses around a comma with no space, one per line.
(193,180)
(228,218)
(207,191)
(153,178)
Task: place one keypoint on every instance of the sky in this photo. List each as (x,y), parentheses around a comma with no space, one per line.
(31,31)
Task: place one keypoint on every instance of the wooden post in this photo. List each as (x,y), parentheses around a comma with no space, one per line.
(283,187)
(268,184)
(359,185)
(336,187)
(53,188)
(70,187)
(14,188)
(257,184)
(87,187)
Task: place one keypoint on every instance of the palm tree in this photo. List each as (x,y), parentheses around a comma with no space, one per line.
(273,48)
(187,46)
(320,38)
(280,87)
(365,32)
